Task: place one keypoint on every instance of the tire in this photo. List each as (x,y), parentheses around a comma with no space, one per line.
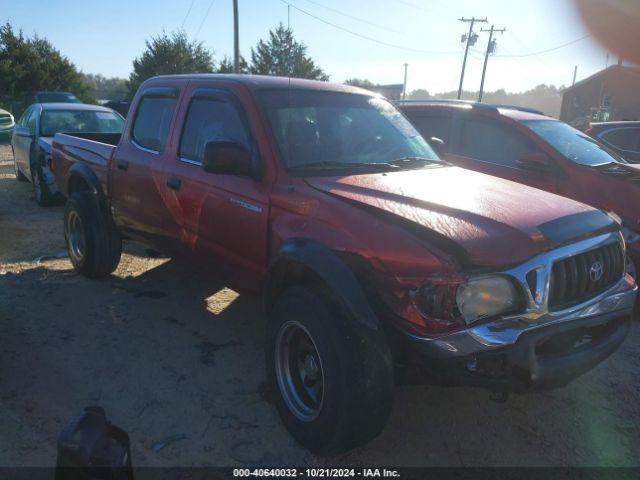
(93,243)
(21,177)
(41,191)
(352,365)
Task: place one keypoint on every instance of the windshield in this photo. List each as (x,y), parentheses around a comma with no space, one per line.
(79,121)
(572,143)
(57,97)
(330,130)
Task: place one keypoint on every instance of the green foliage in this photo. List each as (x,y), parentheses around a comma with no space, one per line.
(360,82)
(283,56)
(32,64)
(170,54)
(104,88)
(546,98)
(226,65)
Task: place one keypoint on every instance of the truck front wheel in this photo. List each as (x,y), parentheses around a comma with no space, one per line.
(93,243)
(333,384)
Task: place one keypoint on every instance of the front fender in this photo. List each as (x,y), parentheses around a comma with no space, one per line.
(309,256)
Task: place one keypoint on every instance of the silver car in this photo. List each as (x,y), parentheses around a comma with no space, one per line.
(33,135)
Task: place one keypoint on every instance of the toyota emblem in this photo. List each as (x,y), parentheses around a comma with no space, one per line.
(595,272)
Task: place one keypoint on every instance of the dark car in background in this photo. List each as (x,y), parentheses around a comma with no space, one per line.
(29,98)
(525,146)
(120,106)
(622,137)
(6,126)
(33,133)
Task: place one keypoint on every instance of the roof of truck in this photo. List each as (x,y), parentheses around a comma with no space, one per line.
(257,82)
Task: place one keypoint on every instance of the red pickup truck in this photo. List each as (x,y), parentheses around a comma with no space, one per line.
(377,262)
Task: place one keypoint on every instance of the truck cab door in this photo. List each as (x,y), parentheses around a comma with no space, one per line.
(136,173)
(218,219)
(488,146)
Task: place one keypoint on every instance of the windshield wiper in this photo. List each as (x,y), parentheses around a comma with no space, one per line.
(411,161)
(330,164)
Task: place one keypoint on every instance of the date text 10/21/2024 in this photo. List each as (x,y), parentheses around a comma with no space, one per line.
(316,472)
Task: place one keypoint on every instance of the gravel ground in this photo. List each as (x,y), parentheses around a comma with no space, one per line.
(168,352)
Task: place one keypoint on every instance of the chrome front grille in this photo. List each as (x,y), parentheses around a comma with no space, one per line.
(577,278)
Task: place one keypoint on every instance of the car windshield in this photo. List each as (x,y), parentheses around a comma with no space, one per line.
(332,130)
(57,97)
(79,121)
(573,144)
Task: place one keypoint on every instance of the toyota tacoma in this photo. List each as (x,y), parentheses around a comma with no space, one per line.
(378,263)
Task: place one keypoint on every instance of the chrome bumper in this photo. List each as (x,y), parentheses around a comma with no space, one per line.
(506,330)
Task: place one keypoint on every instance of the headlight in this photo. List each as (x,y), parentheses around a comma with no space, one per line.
(485,297)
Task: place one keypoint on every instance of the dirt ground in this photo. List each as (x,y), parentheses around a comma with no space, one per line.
(171,353)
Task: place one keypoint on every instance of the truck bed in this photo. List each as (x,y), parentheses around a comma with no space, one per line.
(93,149)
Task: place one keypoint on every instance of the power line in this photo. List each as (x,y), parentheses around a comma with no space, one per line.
(204,18)
(187,15)
(353,17)
(365,37)
(547,50)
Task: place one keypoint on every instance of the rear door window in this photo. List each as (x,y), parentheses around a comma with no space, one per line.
(623,138)
(210,120)
(153,119)
(433,125)
(489,141)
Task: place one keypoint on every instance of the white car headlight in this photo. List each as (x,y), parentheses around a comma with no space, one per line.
(485,297)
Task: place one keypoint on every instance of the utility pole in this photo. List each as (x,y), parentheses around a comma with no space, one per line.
(491,47)
(470,40)
(404,85)
(575,72)
(236,41)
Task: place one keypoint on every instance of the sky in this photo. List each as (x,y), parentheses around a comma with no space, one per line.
(105,36)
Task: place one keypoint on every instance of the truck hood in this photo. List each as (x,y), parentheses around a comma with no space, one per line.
(487,220)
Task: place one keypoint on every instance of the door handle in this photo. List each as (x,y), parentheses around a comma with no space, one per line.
(123,165)
(174,183)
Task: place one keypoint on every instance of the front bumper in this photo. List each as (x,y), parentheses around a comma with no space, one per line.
(521,354)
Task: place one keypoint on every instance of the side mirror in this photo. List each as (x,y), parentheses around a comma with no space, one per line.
(438,145)
(227,158)
(535,162)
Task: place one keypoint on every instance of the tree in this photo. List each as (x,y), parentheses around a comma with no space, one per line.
(419,94)
(360,82)
(282,55)
(106,88)
(226,65)
(547,98)
(170,54)
(28,64)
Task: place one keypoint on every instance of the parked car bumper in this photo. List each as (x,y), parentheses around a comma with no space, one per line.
(518,355)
